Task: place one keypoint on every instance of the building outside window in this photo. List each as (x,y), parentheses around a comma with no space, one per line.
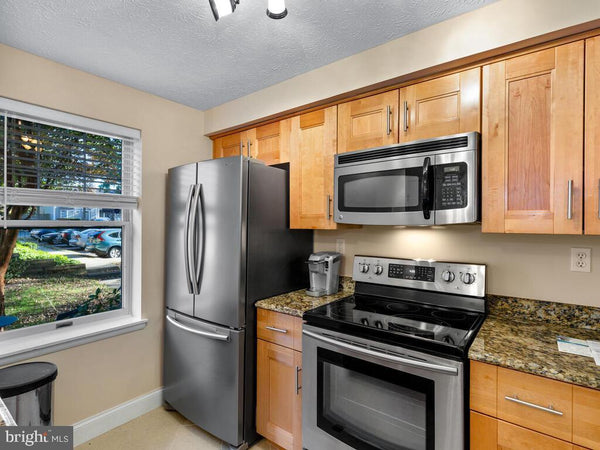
(70,220)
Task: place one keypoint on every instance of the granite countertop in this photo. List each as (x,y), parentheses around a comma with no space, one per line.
(520,334)
(297,302)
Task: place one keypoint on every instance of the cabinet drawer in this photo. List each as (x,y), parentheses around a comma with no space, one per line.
(535,402)
(279,328)
(513,437)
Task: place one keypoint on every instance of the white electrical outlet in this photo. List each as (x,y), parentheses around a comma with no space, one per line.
(581,259)
(340,246)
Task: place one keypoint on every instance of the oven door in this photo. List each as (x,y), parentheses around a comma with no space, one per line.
(358,394)
(391,192)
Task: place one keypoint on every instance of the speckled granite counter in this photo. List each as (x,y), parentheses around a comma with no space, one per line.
(297,302)
(521,334)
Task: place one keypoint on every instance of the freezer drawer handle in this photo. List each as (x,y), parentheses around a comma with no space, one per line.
(218,337)
(550,409)
(383,356)
(279,330)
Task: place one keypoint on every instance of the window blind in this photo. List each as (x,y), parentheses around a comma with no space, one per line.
(46,163)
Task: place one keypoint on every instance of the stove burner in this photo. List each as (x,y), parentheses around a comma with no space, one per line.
(411,330)
(449,315)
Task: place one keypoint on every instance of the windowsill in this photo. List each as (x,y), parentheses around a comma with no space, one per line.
(26,347)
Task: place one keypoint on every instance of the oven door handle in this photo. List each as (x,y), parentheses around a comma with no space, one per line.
(383,356)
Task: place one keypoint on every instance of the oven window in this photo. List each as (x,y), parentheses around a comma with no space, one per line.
(383,191)
(369,406)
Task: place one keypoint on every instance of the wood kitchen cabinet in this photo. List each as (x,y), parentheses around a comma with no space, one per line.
(313,144)
(269,143)
(368,122)
(532,142)
(447,105)
(279,379)
(569,417)
(592,136)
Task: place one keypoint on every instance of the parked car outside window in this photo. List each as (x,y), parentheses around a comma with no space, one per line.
(105,243)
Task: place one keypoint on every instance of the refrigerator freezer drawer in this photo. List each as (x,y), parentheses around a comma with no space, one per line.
(204,373)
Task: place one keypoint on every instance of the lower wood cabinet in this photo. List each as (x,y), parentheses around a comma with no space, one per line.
(515,410)
(279,380)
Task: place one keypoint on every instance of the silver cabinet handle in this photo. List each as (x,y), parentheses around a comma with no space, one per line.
(550,409)
(298,387)
(188,251)
(217,336)
(405,116)
(278,330)
(384,356)
(570,200)
(389,120)
(328,206)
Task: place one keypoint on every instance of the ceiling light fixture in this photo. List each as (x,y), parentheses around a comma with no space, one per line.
(276,9)
(222,8)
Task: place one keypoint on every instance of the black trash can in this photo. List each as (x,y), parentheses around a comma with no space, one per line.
(26,390)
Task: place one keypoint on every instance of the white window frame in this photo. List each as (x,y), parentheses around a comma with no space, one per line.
(36,340)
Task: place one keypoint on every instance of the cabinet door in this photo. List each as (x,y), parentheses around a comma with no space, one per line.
(532,162)
(442,106)
(313,145)
(271,143)
(278,396)
(484,432)
(368,122)
(592,136)
(586,417)
(230,145)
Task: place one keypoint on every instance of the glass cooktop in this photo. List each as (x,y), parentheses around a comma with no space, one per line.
(446,330)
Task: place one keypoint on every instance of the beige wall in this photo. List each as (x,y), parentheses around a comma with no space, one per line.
(498,24)
(519,265)
(103,374)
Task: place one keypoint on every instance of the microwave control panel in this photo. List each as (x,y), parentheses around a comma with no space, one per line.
(451,185)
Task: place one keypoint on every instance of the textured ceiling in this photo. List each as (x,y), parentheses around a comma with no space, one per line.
(176,50)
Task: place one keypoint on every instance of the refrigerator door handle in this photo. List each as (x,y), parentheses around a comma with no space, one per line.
(199,244)
(187,251)
(216,336)
(193,238)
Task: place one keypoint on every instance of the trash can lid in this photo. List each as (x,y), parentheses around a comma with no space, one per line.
(21,378)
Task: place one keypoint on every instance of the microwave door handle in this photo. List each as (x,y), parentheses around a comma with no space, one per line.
(426,188)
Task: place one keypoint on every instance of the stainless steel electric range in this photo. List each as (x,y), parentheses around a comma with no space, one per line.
(386,368)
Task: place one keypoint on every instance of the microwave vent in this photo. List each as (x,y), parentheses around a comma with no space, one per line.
(401,150)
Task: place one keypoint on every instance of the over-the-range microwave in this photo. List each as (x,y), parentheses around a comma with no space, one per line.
(425,182)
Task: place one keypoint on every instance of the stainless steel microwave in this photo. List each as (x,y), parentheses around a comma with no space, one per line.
(426,182)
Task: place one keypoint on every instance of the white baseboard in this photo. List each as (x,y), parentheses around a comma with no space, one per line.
(105,421)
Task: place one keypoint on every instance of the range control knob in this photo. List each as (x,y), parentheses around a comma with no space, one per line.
(448,276)
(378,269)
(364,267)
(378,324)
(467,278)
(364,321)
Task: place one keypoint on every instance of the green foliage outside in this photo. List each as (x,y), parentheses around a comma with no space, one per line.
(25,252)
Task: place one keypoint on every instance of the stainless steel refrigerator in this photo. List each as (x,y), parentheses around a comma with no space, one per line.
(228,245)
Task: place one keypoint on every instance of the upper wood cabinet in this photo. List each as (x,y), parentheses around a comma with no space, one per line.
(368,122)
(442,106)
(532,142)
(271,143)
(230,145)
(313,144)
(592,136)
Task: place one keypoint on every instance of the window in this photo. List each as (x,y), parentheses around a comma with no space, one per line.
(69,220)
